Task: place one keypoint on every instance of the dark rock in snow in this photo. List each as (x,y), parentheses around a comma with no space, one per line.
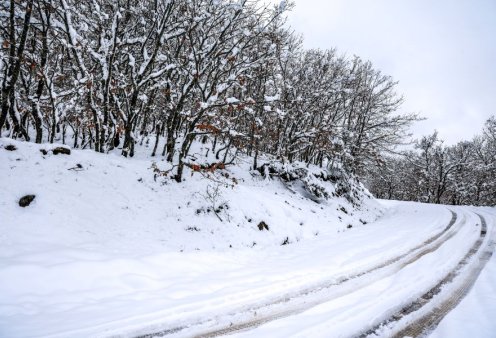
(10,147)
(43,151)
(26,200)
(262,225)
(61,150)
(77,167)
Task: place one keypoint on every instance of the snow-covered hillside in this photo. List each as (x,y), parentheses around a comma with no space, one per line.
(102,226)
(107,249)
(112,205)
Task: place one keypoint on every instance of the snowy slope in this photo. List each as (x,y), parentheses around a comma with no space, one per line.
(113,205)
(102,231)
(104,250)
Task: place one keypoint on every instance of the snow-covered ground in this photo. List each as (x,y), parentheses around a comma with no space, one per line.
(105,250)
(475,315)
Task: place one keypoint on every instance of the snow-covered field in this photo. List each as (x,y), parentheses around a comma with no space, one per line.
(105,250)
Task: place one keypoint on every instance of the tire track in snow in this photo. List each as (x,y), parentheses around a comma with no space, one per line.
(402,260)
(424,248)
(426,323)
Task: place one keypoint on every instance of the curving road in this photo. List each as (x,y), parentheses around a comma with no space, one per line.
(413,310)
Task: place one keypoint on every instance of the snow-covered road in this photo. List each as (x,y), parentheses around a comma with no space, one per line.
(337,285)
(404,296)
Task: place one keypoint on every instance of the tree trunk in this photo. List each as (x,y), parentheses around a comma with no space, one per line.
(182,154)
(16,58)
(157,137)
(128,147)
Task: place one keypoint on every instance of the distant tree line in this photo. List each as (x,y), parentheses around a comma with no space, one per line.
(107,75)
(464,173)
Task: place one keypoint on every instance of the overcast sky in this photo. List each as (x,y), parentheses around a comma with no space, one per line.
(443,53)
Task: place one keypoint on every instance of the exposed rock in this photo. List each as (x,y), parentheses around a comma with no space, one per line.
(26,200)
(10,147)
(61,150)
(262,225)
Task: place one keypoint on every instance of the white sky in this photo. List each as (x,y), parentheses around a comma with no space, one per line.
(443,53)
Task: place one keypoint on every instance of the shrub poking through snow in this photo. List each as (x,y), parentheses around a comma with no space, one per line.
(159,173)
(206,167)
(299,178)
(26,200)
(213,195)
(316,184)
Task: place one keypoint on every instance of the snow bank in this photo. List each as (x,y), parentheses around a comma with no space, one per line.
(112,205)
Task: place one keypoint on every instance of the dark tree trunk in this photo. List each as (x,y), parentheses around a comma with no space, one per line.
(16,58)
(157,137)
